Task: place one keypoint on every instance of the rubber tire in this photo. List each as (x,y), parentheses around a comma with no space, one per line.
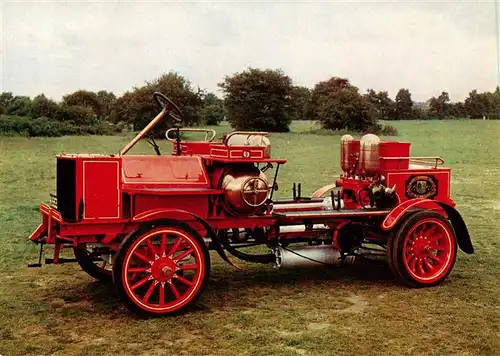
(396,245)
(90,267)
(122,251)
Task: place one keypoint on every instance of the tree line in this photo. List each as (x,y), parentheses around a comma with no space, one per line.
(254,99)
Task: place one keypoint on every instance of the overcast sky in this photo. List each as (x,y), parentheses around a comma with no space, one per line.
(57,48)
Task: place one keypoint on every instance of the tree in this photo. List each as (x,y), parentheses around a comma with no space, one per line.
(106,101)
(457,110)
(403,105)
(382,103)
(19,106)
(84,98)
(493,104)
(77,115)
(213,111)
(138,106)
(440,107)
(477,105)
(258,99)
(43,107)
(5,99)
(301,100)
(338,105)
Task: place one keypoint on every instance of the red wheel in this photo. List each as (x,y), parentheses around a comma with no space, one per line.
(423,250)
(161,269)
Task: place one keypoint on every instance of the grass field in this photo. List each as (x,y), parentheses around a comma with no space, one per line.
(357,310)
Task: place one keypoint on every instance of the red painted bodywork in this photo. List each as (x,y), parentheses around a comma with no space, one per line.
(115,194)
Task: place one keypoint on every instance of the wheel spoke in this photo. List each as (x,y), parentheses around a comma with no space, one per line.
(421,268)
(428,266)
(162,293)
(184,254)
(435,258)
(139,269)
(433,239)
(150,291)
(437,247)
(188,267)
(151,247)
(174,290)
(163,244)
(412,262)
(175,246)
(142,257)
(141,282)
(184,280)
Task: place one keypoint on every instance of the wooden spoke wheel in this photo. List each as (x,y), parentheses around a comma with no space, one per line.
(161,269)
(423,250)
(98,269)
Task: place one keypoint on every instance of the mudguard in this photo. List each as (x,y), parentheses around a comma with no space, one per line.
(323,190)
(398,212)
(461,231)
(167,213)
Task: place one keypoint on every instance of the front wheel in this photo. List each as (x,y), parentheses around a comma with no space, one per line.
(161,269)
(423,250)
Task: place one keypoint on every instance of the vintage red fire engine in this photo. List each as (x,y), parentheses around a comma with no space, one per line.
(147,222)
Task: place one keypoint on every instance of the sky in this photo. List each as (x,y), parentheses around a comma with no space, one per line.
(428,47)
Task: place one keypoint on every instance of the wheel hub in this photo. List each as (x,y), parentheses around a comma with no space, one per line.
(421,247)
(163,269)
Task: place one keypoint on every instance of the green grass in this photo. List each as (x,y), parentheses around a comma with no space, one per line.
(357,310)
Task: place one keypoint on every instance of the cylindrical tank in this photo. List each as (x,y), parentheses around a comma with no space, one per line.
(245,191)
(249,139)
(309,256)
(369,154)
(345,153)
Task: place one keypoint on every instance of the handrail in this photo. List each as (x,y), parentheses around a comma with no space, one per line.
(207,131)
(438,161)
(256,133)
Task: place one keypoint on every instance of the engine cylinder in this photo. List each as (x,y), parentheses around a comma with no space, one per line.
(369,154)
(245,191)
(309,256)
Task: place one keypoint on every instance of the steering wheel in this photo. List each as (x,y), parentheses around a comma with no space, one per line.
(166,103)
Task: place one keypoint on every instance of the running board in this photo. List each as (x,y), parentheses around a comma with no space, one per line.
(49,261)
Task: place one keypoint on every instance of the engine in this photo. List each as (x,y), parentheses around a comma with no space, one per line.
(245,190)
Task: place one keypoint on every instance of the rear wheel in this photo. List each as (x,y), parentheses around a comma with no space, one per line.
(423,250)
(161,269)
(95,267)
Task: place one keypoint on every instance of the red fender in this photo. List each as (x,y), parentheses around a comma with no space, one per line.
(156,214)
(395,215)
(461,231)
(319,193)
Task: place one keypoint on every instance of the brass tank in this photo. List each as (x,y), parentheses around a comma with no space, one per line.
(349,148)
(243,138)
(369,154)
(245,191)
